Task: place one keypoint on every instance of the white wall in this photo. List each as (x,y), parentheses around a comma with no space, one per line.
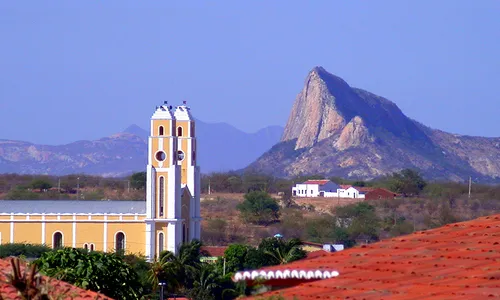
(306,190)
(329,189)
(350,193)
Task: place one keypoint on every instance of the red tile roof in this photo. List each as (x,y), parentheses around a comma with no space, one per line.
(457,261)
(364,189)
(345,186)
(57,288)
(214,251)
(312,244)
(319,182)
(316,253)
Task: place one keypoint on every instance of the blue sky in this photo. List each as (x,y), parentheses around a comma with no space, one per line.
(73,70)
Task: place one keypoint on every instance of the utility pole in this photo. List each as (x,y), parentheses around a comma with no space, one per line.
(162,294)
(224,267)
(470,184)
(59,185)
(77,188)
(128,186)
(209,186)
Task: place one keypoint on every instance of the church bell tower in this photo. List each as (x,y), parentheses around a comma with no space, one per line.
(172,182)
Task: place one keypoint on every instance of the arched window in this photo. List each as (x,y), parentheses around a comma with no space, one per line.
(160,130)
(119,241)
(161,197)
(92,247)
(161,240)
(57,240)
(179,131)
(86,247)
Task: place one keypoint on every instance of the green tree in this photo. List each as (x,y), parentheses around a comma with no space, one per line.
(258,182)
(178,271)
(19,193)
(101,272)
(407,182)
(138,180)
(235,256)
(280,251)
(235,184)
(21,249)
(41,184)
(360,220)
(259,208)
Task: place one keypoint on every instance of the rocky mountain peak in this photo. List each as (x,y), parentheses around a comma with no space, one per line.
(337,130)
(314,116)
(327,103)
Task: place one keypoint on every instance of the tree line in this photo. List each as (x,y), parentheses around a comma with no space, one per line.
(407,182)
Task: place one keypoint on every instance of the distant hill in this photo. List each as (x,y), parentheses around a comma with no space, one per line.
(221,147)
(337,130)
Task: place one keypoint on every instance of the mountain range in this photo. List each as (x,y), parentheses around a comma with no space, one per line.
(221,147)
(338,130)
(333,130)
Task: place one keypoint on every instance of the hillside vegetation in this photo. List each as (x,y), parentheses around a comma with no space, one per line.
(229,215)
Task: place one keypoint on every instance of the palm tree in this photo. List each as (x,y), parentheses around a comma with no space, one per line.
(177,271)
(205,283)
(286,251)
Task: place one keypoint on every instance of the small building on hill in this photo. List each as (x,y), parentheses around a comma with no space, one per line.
(314,188)
(379,193)
(327,188)
(349,191)
(211,254)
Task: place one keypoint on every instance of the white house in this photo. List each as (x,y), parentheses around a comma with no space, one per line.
(350,192)
(326,188)
(314,188)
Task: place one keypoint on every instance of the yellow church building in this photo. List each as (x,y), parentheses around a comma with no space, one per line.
(169,217)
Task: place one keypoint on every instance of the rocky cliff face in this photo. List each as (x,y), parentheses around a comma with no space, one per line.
(334,129)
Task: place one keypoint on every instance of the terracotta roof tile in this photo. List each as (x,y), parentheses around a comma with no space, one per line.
(320,182)
(57,288)
(457,261)
(214,251)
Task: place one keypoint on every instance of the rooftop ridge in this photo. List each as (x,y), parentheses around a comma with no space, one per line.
(459,260)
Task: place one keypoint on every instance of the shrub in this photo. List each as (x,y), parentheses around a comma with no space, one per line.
(20,249)
(101,272)
(259,208)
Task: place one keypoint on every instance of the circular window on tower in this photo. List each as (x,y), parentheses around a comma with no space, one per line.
(180,155)
(161,156)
